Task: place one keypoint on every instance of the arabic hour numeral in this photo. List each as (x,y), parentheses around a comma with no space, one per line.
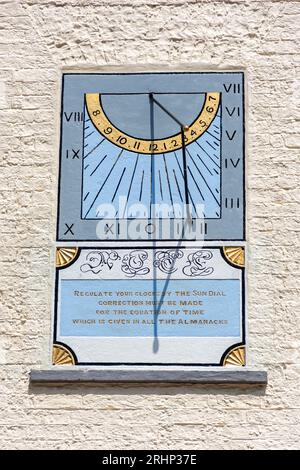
(185,139)
(97,112)
(211,98)
(152,147)
(137,144)
(174,142)
(165,146)
(122,140)
(209,109)
(193,132)
(202,123)
(108,130)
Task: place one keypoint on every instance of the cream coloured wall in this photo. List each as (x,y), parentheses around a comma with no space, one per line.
(40,38)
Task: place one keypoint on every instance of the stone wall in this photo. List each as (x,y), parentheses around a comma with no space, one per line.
(40,38)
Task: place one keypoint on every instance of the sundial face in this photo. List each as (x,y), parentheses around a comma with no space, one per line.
(122,156)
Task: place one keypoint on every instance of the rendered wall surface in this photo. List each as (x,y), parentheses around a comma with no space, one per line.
(38,40)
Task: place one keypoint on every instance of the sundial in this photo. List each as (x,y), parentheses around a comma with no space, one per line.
(121,155)
(150,250)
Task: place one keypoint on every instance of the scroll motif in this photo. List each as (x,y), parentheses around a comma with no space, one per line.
(165,260)
(197,264)
(133,263)
(96,260)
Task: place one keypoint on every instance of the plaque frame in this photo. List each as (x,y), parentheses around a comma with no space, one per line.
(232,355)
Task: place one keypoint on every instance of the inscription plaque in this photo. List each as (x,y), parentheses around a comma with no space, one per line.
(162,305)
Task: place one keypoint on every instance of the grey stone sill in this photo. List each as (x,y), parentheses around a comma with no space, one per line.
(149,374)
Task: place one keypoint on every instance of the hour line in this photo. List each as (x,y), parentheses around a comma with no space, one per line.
(190,196)
(104,183)
(204,164)
(171,198)
(89,134)
(214,136)
(93,149)
(137,157)
(205,181)
(160,185)
(210,145)
(98,165)
(177,185)
(207,154)
(196,183)
(124,169)
(142,184)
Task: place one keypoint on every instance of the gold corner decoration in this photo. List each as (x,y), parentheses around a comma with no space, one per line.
(65,256)
(235,357)
(62,356)
(235,255)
